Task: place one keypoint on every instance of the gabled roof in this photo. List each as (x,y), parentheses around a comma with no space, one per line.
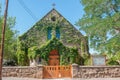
(61,16)
(53,10)
(38,35)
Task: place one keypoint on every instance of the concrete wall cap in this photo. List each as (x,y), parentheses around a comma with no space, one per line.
(74,64)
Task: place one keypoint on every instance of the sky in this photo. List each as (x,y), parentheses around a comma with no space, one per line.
(72,10)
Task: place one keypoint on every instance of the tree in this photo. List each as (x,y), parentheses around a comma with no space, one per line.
(10,38)
(101,23)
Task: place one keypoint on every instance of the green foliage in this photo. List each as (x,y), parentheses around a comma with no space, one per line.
(112,62)
(86,59)
(22,55)
(21,58)
(113,45)
(10,38)
(101,22)
(33,51)
(88,62)
(53,44)
(114,59)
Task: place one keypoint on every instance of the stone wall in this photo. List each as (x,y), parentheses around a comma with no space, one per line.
(96,71)
(26,71)
(77,71)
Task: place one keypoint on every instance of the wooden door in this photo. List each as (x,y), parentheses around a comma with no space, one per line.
(54,58)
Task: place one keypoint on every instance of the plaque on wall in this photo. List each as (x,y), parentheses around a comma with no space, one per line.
(98,60)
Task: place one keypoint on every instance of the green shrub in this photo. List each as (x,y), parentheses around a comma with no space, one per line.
(87,59)
(112,62)
(21,58)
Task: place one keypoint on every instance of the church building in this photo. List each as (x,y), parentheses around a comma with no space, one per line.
(53,40)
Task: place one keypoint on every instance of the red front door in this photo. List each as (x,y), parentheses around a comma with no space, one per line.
(54,58)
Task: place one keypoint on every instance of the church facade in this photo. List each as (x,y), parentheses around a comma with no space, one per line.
(53,40)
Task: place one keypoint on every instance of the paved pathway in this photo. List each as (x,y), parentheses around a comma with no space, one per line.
(14,78)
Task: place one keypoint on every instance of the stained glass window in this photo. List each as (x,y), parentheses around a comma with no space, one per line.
(58,33)
(49,33)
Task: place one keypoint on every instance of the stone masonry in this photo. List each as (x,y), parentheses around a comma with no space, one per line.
(77,71)
(96,71)
(26,71)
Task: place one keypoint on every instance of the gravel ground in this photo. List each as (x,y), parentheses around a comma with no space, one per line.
(14,78)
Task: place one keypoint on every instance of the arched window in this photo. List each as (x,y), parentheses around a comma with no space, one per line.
(58,33)
(49,35)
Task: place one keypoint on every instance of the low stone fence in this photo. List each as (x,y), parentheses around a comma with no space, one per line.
(23,71)
(96,71)
(77,71)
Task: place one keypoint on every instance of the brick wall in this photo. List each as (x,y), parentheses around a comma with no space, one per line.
(96,71)
(26,71)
